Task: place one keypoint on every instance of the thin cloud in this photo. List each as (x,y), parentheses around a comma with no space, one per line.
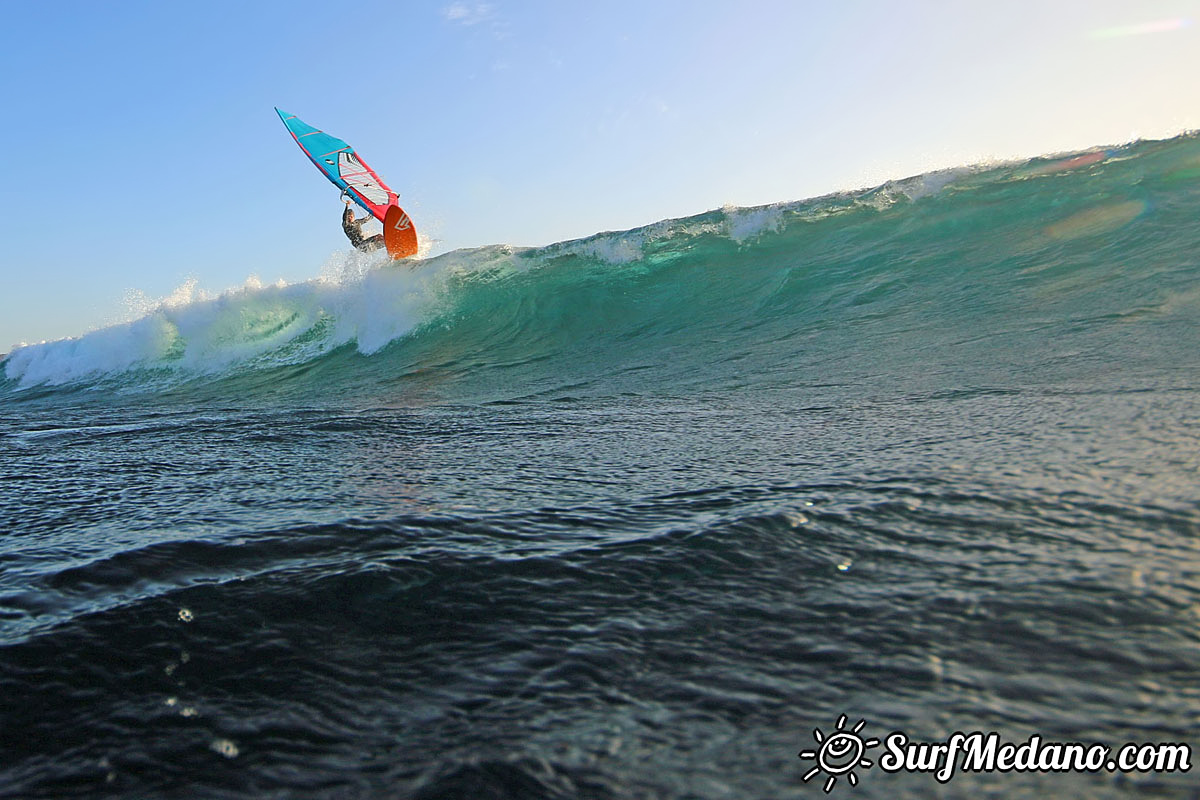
(469,13)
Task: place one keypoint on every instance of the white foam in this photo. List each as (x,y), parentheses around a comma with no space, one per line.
(109,350)
(612,248)
(192,331)
(626,247)
(746,224)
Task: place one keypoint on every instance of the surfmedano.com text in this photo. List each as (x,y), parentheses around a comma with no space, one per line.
(986,752)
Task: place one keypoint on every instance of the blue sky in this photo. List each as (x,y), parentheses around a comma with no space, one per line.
(144,151)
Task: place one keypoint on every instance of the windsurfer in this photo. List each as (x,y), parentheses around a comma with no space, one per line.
(353,229)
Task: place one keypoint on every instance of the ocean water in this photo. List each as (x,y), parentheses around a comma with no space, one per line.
(630,516)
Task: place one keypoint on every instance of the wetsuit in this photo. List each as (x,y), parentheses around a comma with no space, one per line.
(353,229)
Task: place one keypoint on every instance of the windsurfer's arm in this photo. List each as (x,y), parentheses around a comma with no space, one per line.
(348,215)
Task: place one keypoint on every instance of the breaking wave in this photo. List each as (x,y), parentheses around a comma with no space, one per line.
(1067,252)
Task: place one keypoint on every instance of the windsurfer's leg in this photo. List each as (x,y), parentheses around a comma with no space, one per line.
(372,244)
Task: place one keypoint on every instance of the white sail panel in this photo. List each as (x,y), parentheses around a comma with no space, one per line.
(352,171)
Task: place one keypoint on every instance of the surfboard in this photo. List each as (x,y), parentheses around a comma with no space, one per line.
(346,170)
(399,235)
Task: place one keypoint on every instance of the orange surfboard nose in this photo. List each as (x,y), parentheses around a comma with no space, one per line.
(399,234)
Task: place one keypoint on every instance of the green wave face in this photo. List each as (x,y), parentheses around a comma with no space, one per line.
(1057,269)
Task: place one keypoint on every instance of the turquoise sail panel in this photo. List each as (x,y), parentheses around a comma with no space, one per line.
(341,165)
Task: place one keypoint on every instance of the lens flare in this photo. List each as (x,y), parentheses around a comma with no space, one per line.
(1097,220)
(1075,162)
(1160,26)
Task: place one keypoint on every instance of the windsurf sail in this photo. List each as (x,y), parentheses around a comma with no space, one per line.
(341,165)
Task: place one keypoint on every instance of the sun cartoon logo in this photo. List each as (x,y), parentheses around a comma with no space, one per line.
(839,753)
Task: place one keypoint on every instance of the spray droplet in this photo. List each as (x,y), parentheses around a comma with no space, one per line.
(225,747)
